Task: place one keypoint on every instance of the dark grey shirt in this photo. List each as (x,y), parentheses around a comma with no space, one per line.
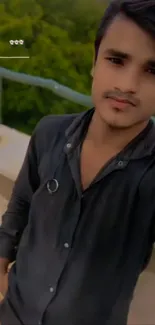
(78,254)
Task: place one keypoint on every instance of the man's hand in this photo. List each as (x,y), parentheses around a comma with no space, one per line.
(4,265)
(3,284)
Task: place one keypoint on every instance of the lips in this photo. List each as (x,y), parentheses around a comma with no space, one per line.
(120,104)
(120,100)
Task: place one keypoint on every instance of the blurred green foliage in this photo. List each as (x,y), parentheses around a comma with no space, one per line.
(58,36)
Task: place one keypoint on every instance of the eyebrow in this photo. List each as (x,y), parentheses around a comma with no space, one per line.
(122,55)
(117,53)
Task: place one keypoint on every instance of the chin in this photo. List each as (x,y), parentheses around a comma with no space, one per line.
(117,122)
(114,125)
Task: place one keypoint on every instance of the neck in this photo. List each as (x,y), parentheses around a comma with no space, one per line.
(101,134)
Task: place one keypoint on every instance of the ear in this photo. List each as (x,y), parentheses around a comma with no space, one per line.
(92,71)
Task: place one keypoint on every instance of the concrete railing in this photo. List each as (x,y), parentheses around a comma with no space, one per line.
(55,87)
(13,144)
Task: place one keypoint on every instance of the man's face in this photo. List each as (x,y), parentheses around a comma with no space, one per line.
(123,89)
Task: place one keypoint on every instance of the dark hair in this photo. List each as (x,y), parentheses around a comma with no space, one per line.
(142,12)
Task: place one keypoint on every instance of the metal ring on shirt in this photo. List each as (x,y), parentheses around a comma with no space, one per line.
(49,187)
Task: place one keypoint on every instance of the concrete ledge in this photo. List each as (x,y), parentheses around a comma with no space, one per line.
(6,186)
(3,205)
(13,146)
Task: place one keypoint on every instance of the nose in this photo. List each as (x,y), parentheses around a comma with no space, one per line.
(128,81)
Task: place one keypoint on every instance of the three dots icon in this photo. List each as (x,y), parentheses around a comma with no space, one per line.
(16,42)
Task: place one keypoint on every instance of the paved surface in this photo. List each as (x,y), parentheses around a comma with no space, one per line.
(142,311)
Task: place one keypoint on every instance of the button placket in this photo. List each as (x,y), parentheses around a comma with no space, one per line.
(121,163)
(69,145)
(66,245)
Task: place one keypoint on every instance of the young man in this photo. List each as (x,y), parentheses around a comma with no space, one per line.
(80,222)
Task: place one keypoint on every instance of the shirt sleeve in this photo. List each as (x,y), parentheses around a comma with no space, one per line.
(15,219)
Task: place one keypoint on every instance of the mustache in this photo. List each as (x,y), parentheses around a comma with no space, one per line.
(118,94)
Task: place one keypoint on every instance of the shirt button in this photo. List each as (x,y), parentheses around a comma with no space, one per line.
(39,323)
(121,163)
(68,145)
(51,289)
(66,245)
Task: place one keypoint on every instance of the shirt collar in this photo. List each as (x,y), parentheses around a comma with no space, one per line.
(141,146)
(77,129)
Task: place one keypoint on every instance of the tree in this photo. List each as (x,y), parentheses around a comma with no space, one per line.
(58,35)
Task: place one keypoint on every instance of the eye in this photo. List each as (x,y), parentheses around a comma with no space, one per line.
(116,61)
(151,71)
